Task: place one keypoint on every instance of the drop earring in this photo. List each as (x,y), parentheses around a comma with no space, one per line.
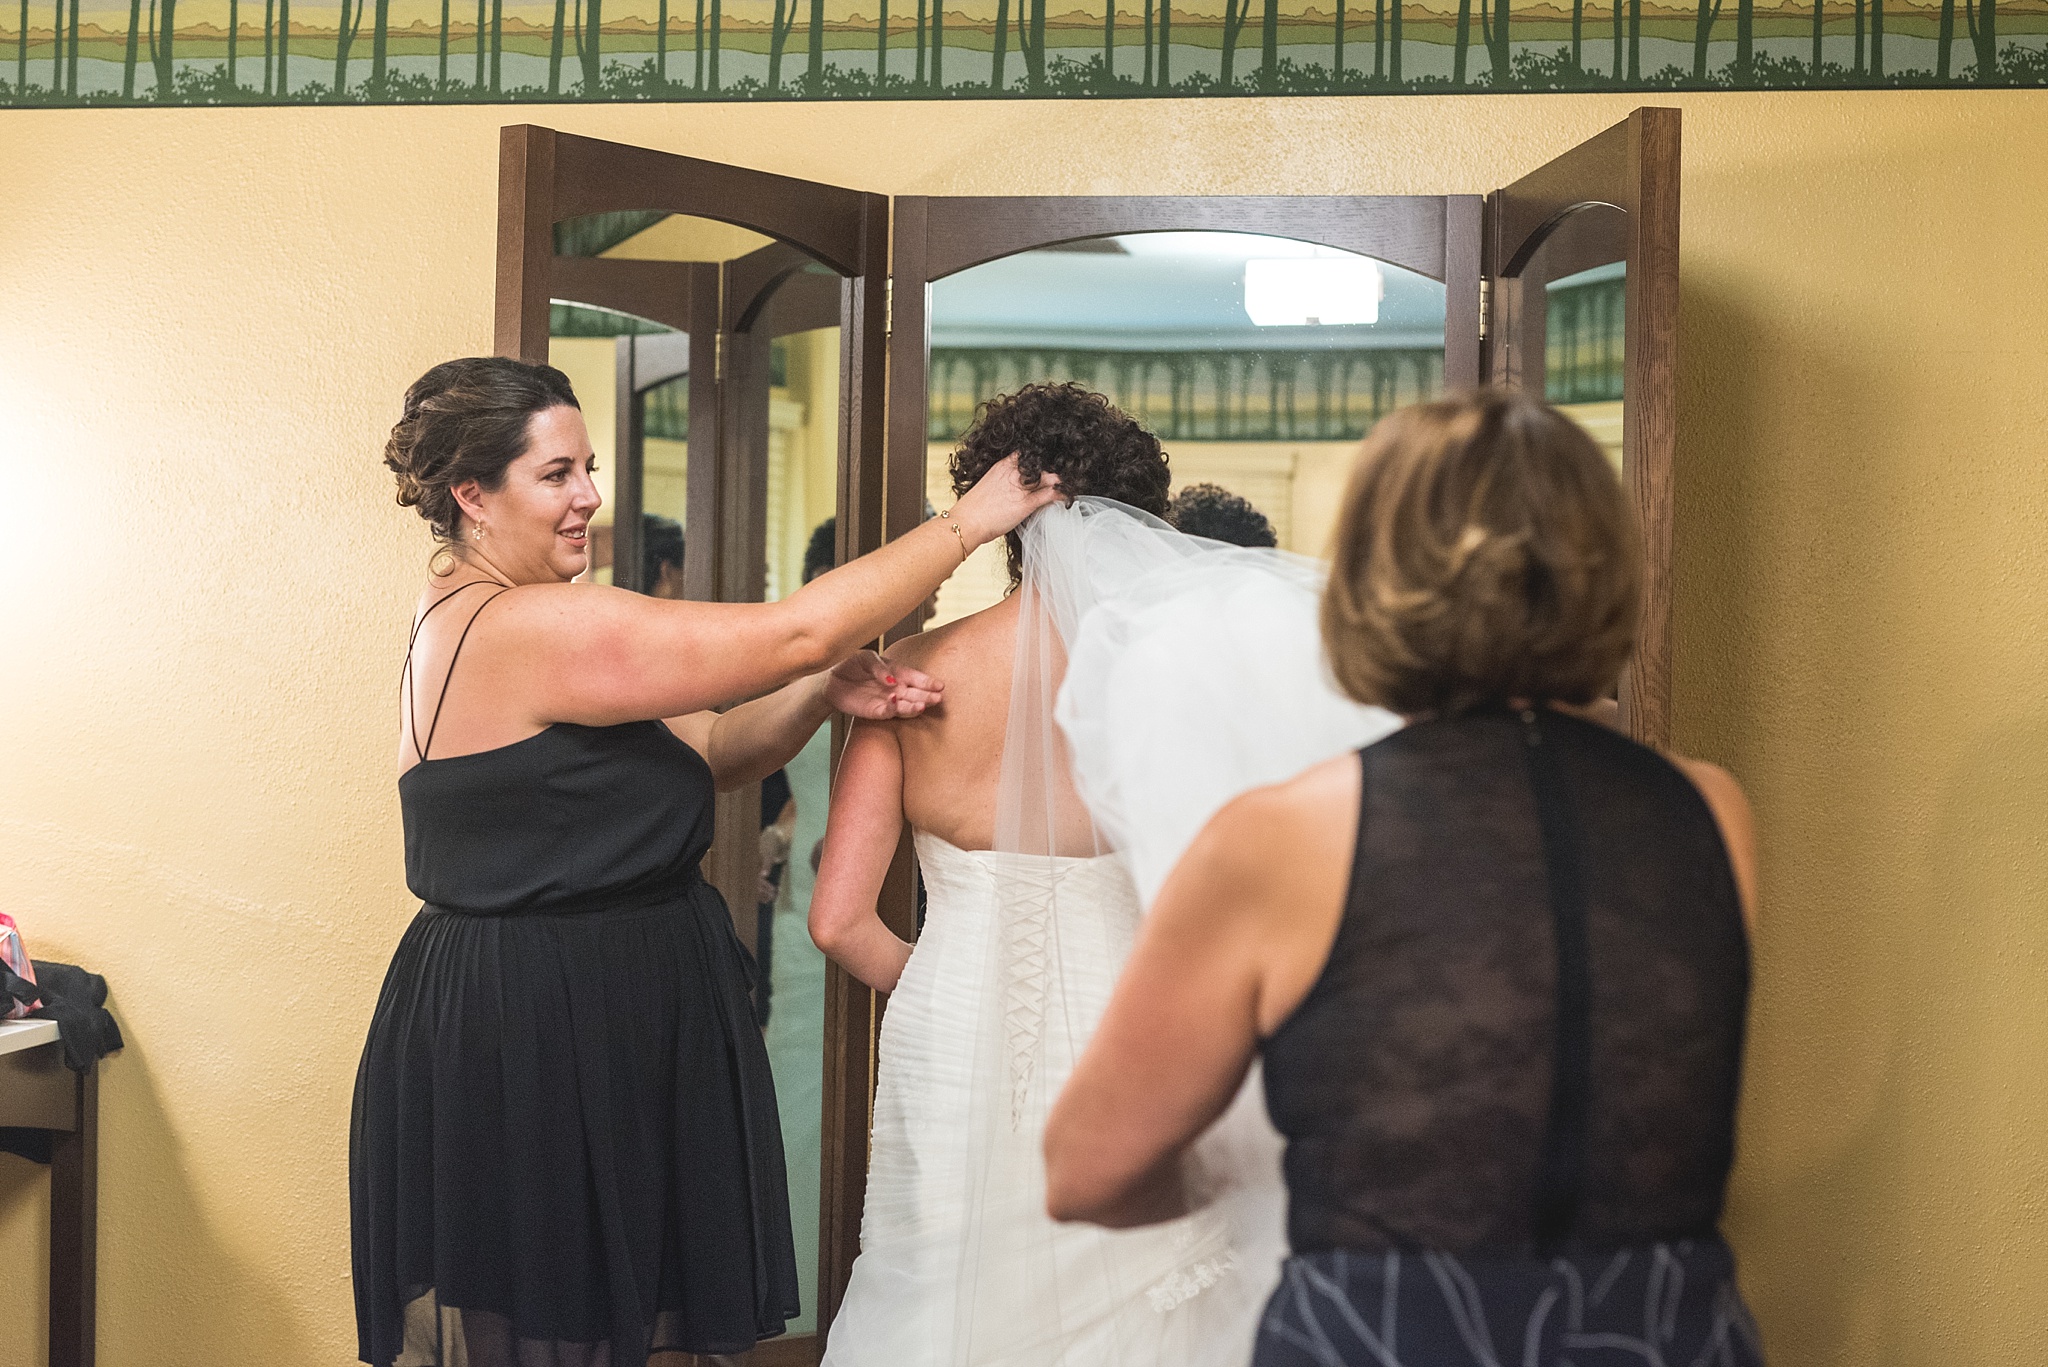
(477,531)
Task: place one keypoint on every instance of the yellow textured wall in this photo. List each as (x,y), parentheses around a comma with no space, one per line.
(206,319)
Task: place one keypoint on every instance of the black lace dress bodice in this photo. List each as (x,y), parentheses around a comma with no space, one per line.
(1523,1054)
(1414,1084)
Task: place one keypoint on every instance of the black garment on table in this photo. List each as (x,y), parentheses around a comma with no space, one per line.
(565,1147)
(1524,1050)
(17,989)
(86,1032)
(77,1001)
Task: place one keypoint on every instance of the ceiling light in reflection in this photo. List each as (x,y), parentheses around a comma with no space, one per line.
(1214,245)
(1297,291)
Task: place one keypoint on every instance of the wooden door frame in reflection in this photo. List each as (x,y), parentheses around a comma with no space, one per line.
(758,297)
(729,311)
(1633,167)
(641,362)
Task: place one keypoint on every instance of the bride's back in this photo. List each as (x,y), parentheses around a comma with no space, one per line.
(953,753)
(960,1265)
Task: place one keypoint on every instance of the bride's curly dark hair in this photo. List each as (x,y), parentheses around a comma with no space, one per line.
(1075,433)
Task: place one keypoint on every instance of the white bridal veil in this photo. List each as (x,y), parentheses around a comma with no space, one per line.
(1156,677)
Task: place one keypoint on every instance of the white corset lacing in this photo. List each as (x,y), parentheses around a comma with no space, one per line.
(960,1266)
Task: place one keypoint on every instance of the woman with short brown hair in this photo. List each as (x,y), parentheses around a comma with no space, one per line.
(1485,552)
(1496,964)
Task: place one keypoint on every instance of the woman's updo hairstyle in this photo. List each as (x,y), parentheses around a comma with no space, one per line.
(1075,433)
(1485,553)
(467,420)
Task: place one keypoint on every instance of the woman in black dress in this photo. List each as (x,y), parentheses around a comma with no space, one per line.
(565,1149)
(1496,964)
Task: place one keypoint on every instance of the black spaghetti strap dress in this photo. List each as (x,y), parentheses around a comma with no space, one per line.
(565,1150)
(1509,1100)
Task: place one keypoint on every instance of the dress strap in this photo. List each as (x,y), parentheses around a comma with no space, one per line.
(1561,1171)
(412,640)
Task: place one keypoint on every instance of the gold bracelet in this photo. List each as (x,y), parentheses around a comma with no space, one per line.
(958,535)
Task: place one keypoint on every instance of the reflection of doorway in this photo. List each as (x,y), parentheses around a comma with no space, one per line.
(802,258)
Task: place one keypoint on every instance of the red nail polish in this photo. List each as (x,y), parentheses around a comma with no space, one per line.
(889,678)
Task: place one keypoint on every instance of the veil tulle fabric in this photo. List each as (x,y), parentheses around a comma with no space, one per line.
(1156,677)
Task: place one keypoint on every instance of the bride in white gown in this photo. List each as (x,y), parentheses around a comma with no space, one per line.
(1191,673)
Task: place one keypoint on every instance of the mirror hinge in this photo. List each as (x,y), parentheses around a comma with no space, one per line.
(889,306)
(1485,303)
(718,355)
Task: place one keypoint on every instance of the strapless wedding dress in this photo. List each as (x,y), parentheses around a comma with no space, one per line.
(1113,728)
(960,1266)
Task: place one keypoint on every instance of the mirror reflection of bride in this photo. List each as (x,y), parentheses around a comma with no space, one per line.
(1030,914)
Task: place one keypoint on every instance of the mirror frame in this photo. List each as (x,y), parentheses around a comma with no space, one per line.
(1633,167)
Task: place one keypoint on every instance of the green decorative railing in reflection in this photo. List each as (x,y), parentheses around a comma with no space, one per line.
(1198,395)
(1207,395)
(575,320)
(667,412)
(1584,342)
(595,234)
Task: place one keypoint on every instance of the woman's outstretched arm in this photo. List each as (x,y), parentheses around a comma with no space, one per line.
(861,834)
(1234,940)
(599,656)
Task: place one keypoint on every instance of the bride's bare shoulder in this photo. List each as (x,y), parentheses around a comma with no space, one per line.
(980,636)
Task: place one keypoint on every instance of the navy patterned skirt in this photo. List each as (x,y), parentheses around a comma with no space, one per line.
(1654,1305)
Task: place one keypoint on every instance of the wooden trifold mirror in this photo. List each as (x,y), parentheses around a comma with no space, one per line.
(786,363)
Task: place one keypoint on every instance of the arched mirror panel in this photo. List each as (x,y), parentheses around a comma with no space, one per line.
(1213,319)
(1564,314)
(1258,361)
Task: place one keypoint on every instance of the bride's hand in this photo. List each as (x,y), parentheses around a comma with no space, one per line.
(866,686)
(1000,500)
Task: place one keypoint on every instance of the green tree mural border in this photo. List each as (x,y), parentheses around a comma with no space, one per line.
(525,51)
